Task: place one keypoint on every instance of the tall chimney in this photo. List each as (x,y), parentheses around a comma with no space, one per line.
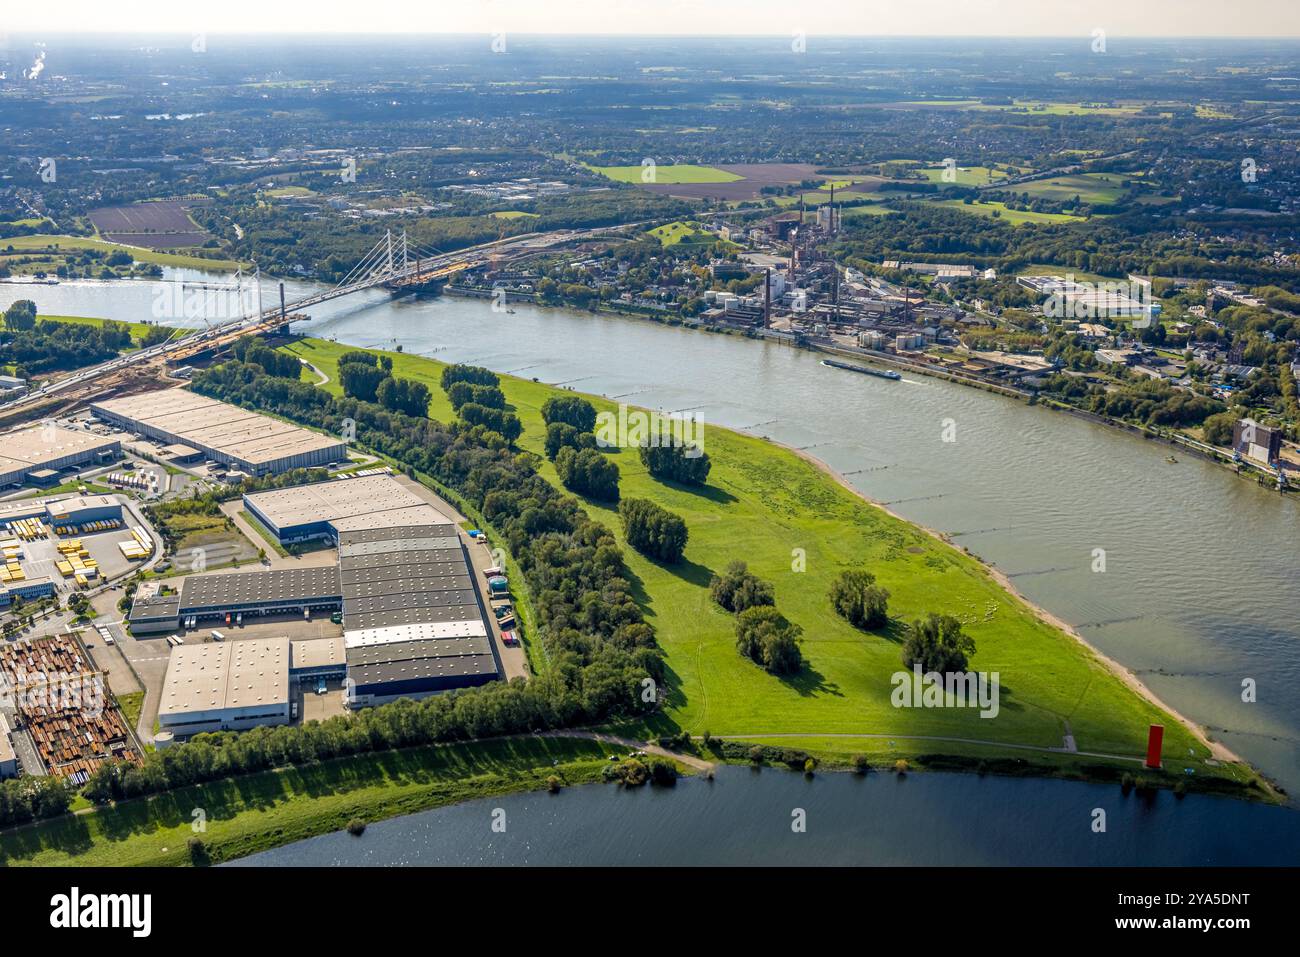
(767,305)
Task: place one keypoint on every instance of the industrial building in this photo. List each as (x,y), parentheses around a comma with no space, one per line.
(38,453)
(325,509)
(8,760)
(414,620)
(317,659)
(226,686)
(236,438)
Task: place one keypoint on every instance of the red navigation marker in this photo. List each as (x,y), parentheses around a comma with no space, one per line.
(1155,738)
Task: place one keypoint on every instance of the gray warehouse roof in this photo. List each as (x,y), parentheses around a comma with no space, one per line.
(243,588)
(209,424)
(369,496)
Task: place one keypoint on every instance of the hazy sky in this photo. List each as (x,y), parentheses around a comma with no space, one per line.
(1260,18)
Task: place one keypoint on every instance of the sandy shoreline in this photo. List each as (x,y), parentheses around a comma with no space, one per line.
(1218,750)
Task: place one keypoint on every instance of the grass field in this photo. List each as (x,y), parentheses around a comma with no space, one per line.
(670,234)
(1089,187)
(1016,217)
(768,506)
(513,214)
(42,242)
(265,810)
(965,175)
(138,329)
(680,173)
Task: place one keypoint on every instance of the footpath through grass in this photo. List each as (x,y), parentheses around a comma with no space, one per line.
(260,811)
(768,506)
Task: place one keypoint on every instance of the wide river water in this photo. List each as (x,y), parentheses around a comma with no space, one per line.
(1199,591)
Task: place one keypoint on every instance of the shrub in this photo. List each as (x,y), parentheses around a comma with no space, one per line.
(356,827)
(652,530)
(861,764)
(736,589)
(662,772)
(859,600)
(198,851)
(553,784)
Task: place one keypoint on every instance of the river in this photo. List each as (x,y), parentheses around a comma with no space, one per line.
(746,817)
(1198,594)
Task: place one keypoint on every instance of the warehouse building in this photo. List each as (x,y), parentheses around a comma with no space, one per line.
(226,686)
(237,438)
(40,452)
(213,598)
(325,509)
(317,659)
(414,619)
(8,760)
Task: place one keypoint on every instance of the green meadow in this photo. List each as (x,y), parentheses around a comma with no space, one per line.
(260,811)
(1089,187)
(1016,217)
(672,175)
(41,243)
(798,527)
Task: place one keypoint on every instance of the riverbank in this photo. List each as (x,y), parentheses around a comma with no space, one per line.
(1220,751)
(766,504)
(256,812)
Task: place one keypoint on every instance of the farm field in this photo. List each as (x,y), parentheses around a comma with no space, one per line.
(513,214)
(766,504)
(162,224)
(743,181)
(1089,187)
(1016,217)
(966,175)
(676,174)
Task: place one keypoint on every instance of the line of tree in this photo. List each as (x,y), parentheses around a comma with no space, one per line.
(653,530)
(600,648)
(857,598)
(688,465)
(587,472)
(33,346)
(33,798)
